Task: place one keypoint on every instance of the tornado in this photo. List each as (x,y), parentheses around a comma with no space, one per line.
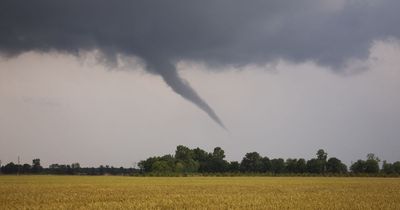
(171,77)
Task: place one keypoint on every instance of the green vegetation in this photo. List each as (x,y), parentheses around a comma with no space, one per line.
(196,161)
(117,192)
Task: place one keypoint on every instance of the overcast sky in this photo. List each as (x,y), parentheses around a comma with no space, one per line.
(284,78)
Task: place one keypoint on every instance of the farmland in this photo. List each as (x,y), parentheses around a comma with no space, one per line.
(117,192)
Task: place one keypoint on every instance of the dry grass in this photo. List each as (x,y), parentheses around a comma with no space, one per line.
(84,192)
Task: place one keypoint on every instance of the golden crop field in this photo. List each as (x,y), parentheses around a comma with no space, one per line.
(113,192)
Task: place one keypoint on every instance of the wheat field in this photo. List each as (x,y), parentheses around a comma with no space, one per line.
(113,192)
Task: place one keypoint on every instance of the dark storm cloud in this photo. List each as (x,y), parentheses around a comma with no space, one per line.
(219,32)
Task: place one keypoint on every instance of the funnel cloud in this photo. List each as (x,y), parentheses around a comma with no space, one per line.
(216,32)
(170,75)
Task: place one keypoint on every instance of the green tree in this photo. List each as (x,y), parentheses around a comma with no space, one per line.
(217,163)
(203,158)
(26,168)
(234,166)
(218,153)
(36,167)
(315,166)
(183,153)
(266,165)
(277,165)
(372,156)
(252,162)
(291,166)
(322,155)
(200,155)
(358,167)
(10,168)
(372,163)
(169,159)
(301,165)
(192,166)
(75,166)
(179,166)
(387,168)
(334,165)
(161,166)
(396,167)
(145,165)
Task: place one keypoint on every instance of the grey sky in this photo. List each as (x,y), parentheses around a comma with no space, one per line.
(56,108)
(50,100)
(219,32)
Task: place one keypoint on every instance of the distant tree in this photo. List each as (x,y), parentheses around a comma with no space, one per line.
(396,167)
(102,169)
(203,158)
(53,166)
(387,168)
(92,171)
(322,155)
(358,167)
(200,155)
(36,167)
(315,166)
(252,162)
(179,166)
(10,168)
(191,166)
(26,168)
(161,166)
(70,171)
(170,160)
(372,156)
(334,165)
(218,153)
(217,163)
(75,166)
(372,164)
(301,166)
(344,168)
(186,160)
(291,166)
(234,166)
(266,165)
(183,153)
(277,165)
(144,165)
(57,169)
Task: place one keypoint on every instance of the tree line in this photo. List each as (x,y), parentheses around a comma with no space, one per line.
(198,161)
(186,160)
(64,169)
